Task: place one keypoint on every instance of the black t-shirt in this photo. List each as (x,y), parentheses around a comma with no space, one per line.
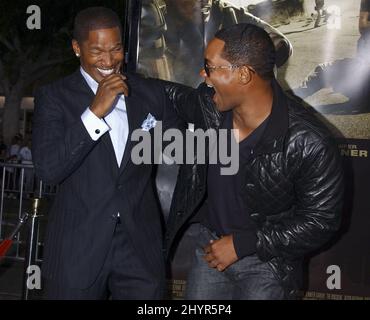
(227,213)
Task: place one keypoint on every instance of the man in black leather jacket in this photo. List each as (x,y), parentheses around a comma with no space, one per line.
(284,202)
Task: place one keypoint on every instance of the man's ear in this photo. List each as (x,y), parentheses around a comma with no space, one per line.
(245,75)
(76,48)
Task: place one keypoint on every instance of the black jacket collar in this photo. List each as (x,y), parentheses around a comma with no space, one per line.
(272,139)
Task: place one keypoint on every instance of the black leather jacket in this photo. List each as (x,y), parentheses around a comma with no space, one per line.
(293,184)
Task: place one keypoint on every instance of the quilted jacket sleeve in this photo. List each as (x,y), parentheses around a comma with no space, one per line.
(316,215)
(193,105)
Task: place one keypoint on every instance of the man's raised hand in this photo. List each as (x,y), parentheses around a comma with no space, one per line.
(108,89)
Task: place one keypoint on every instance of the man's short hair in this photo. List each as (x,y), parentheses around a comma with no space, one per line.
(94,18)
(247,44)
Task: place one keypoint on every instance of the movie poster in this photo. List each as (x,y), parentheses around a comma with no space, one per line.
(328,67)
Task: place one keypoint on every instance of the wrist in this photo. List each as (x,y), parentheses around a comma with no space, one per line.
(97,111)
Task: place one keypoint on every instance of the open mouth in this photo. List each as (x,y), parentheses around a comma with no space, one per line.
(105,72)
(210,90)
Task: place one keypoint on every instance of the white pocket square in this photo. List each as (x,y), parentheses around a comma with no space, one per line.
(149,123)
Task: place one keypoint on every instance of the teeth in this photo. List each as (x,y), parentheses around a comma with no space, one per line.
(209,85)
(105,72)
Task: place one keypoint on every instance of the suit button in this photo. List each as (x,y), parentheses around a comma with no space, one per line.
(114,216)
(119,187)
(179,213)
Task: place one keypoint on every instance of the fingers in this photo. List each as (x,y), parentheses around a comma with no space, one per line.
(125,90)
(214,257)
(220,267)
(114,84)
(111,79)
(108,89)
(118,88)
(213,262)
(210,258)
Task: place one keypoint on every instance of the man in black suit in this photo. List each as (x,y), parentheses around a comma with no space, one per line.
(104,233)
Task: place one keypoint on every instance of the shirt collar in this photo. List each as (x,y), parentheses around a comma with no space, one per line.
(90,81)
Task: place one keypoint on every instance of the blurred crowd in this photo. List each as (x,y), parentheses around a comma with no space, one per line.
(18,152)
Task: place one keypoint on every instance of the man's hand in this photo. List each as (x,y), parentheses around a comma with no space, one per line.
(221,253)
(107,92)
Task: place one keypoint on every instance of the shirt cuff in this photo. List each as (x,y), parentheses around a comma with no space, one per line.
(245,243)
(95,126)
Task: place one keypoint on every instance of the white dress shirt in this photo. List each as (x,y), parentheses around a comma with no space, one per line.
(115,122)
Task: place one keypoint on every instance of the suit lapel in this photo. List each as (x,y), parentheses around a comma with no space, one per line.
(135,116)
(107,141)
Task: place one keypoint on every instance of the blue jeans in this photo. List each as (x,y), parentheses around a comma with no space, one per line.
(247,279)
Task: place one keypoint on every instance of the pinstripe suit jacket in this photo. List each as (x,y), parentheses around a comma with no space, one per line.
(92,186)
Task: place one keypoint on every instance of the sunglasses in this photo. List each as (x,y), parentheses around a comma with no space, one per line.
(208,69)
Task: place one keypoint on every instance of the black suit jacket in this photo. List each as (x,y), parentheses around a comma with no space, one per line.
(92,187)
